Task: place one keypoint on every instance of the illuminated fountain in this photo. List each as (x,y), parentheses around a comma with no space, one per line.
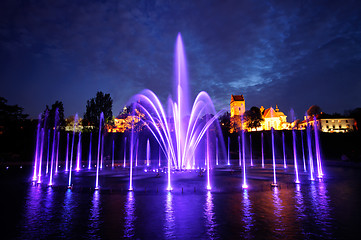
(180,132)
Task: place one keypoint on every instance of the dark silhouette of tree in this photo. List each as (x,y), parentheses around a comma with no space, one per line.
(11,116)
(356,114)
(51,114)
(101,103)
(253,117)
(225,122)
(314,110)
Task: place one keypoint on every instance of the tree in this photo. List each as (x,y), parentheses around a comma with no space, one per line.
(9,113)
(314,110)
(101,103)
(253,117)
(51,114)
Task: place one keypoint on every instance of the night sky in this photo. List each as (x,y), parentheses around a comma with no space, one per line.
(294,54)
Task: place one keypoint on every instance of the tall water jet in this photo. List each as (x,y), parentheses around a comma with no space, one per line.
(136,153)
(102,153)
(41,154)
(37,149)
(284,150)
(250,149)
(67,153)
(148,153)
(217,151)
(318,154)
(180,131)
(72,149)
(228,161)
(262,150)
(303,153)
(78,157)
(239,151)
(159,157)
(131,159)
(48,153)
(90,151)
(113,155)
(57,153)
(310,153)
(297,180)
(208,163)
(125,151)
(101,120)
(244,185)
(53,148)
(274,184)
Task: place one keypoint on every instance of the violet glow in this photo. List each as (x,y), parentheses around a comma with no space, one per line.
(178,143)
(78,157)
(90,151)
(310,154)
(72,149)
(125,151)
(67,153)
(37,150)
(53,148)
(303,154)
(239,151)
(250,149)
(101,120)
(273,158)
(57,154)
(318,154)
(262,150)
(297,180)
(284,150)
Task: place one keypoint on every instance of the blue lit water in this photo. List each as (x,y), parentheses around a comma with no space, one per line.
(313,210)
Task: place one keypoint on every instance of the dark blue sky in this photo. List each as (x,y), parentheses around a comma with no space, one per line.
(294,54)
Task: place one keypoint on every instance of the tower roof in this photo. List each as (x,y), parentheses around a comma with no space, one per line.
(237,98)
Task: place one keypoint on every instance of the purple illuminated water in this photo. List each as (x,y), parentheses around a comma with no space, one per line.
(72,149)
(318,154)
(57,153)
(297,180)
(310,153)
(101,121)
(53,148)
(67,153)
(113,155)
(250,149)
(228,160)
(262,150)
(239,151)
(273,158)
(125,151)
(78,156)
(90,151)
(284,150)
(303,153)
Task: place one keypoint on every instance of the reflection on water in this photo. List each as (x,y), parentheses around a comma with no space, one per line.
(33,208)
(169,224)
(311,210)
(278,208)
(209,217)
(247,214)
(130,216)
(320,202)
(94,221)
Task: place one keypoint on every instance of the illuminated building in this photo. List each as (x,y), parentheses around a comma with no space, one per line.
(272,117)
(331,125)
